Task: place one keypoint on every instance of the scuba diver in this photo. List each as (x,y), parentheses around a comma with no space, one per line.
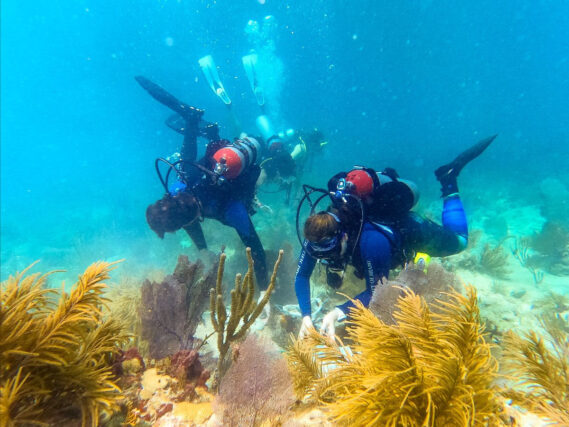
(307,144)
(221,185)
(290,153)
(370,225)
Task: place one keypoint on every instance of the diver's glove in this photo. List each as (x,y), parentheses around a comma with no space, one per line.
(328,327)
(305,327)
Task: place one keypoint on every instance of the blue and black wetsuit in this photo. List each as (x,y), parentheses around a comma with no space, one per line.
(230,202)
(382,246)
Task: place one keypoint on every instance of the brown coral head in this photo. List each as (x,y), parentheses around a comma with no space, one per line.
(186,366)
(128,363)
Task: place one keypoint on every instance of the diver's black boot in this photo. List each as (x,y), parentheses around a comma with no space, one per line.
(448,174)
(188,112)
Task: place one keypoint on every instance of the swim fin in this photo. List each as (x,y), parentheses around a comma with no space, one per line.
(447,174)
(454,167)
(188,112)
(249,63)
(210,73)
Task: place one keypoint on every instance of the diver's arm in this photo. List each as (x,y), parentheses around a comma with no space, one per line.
(375,251)
(302,282)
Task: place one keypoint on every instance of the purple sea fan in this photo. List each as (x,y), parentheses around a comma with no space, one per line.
(256,387)
(171,310)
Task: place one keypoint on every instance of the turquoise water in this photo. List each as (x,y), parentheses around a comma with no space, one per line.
(406,84)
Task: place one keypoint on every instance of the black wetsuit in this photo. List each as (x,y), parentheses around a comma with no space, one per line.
(229,202)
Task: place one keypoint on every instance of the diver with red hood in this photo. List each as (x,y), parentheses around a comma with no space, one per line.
(220,185)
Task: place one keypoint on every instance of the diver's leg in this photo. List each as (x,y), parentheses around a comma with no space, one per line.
(208,130)
(189,150)
(236,216)
(423,235)
(196,234)
(165,98)
(452,237)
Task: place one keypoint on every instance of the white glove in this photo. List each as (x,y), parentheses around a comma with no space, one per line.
(328,327)
(305,327)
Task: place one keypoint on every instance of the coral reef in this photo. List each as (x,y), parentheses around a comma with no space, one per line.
(128,362)
(160,399)
(124,304)
(490,260)
(257,386)
(521,251)
(552,302)
(244,308)
(185,365)
(56,350)
(432,368)
(543,368)
(552,244)
(432,284)
(171,310)
(493,261)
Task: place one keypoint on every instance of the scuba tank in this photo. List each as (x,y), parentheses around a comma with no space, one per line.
(273,140)
(231,160)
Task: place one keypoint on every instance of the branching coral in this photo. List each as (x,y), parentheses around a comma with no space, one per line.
(432,368)
(543,367)
(244,308)
(171,310)
(55,354)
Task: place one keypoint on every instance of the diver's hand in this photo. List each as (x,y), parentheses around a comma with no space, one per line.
(328,327)
(259,205)
(266,313)
(305,327)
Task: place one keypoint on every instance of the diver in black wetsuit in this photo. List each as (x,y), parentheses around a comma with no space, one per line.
(221,185)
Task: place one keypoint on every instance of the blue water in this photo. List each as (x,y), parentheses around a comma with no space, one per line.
(405,84)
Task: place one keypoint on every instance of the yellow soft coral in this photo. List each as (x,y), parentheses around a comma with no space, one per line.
(432,368)
(55,352)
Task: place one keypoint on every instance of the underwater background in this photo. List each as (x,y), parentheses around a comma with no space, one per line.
(404,84)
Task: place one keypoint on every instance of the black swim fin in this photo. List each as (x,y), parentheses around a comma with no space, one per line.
(447,174)
(176,123)
(188,112)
